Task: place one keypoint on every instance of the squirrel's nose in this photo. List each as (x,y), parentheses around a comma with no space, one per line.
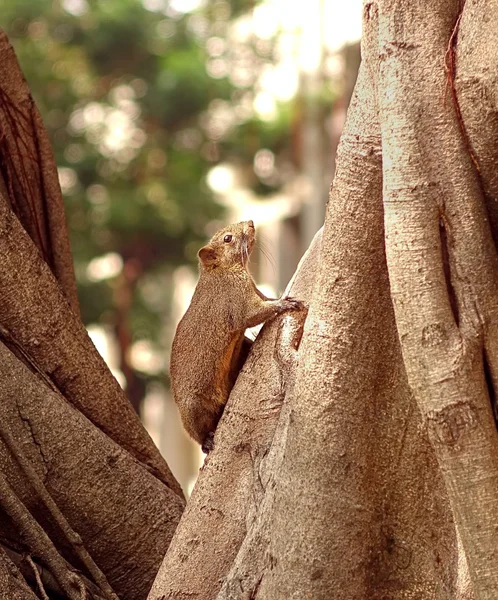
(250,224)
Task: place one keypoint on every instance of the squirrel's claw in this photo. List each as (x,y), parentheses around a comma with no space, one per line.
(289,303)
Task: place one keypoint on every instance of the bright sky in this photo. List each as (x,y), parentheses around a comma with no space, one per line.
(305,37)
(335,21)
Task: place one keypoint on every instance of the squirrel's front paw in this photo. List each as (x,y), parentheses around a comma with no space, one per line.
(289,303)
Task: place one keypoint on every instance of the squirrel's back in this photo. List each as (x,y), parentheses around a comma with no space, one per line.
(209,348)
(205,352)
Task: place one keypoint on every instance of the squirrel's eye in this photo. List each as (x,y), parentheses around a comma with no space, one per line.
(227,238)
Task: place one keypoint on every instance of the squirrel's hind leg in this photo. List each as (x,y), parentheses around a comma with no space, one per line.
(208,443)
(200,421)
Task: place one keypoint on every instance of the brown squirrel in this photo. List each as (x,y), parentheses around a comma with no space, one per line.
(209,347)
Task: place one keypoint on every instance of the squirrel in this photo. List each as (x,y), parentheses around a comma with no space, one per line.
(209,347)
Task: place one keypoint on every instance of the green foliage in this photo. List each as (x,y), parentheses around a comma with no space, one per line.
(126,97)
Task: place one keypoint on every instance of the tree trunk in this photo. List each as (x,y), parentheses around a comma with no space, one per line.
(357,455)
(380,442)
(87,504)
(447,319)
(30,181)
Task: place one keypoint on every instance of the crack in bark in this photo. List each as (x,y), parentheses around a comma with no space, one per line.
(489,384)
(179,595)
(450,66)
(445,242)
(36,442)
(254,592)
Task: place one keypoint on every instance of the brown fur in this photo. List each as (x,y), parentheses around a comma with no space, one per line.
(209,345)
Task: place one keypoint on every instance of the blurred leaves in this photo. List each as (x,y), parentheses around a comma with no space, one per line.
(140,101)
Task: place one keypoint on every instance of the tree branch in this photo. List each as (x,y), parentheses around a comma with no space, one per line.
(37,540)
(29,173)
(48,581)
(12,583)
(71,536)
(38,318)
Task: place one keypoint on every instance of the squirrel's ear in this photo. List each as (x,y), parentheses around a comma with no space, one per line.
(208,256)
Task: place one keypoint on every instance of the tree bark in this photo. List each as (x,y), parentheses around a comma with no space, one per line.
(433,208)
(385,438)
(83,490)
(30,180)
(124,515)
(37,319)
(38,306)
(353,515)
(476,85)
(12,583)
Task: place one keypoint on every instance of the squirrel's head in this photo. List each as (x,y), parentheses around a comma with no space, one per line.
(230,247)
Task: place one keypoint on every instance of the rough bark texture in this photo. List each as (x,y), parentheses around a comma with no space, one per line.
(123,514)
(29,174)
(434,208)
(87,504)
(12,584)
